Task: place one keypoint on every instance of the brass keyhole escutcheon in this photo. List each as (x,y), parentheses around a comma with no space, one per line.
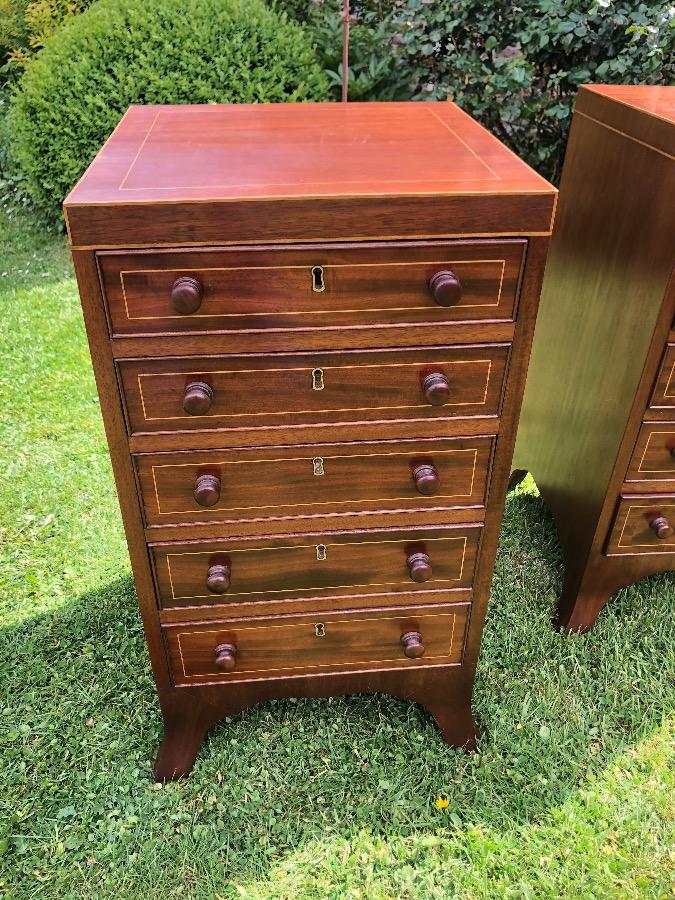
(321,551)
(317,464)
(318,284)
(320,629)
(317,380)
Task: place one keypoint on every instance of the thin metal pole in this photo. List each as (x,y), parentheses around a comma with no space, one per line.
(345,50)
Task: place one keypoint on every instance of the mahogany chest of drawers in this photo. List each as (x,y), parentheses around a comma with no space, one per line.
(310,326)
(598,424)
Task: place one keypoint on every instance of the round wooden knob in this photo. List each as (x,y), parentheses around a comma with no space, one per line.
(207,490)
(426,479)
(672,451)
(186,295)
(197,399)
(446,288)
(412,644)
(661,528)
(419,566)
(218,578)
(226,657)
(436,389)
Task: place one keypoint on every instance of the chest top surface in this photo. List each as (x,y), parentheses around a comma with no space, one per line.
(160,153)
(644,113)
(653,100)
(216,174)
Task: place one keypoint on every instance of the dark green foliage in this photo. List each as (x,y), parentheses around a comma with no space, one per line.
(148,51)
(515,67)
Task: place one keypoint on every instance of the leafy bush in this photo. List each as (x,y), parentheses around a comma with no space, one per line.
(75,91)
(25,26)
(374,59)
(515,67)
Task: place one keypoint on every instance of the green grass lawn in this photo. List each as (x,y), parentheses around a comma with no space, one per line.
(571,792)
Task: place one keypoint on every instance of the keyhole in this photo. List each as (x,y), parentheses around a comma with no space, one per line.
(317,464)
(320,629)
(321,551)
(317,380)
(318,284)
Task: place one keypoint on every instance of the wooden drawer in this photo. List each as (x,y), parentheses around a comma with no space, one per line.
(308,287)
(317,479)
(282,390)
(290,646)
(335,564)
(637,525)
(654,455)
(662,403)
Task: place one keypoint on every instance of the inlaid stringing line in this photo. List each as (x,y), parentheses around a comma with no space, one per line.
(445,655)
(245,314)
(461,538)
(299,412)
(311,503)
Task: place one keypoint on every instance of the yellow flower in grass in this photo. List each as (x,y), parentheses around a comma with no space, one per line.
(442,803)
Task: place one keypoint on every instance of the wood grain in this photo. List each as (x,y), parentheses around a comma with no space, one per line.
(607,305)
(654,455)
(327,564)
(641,114)
(281,390)
(633,530)
(266,288)
(222,607)
(313,479)
(300,645)
(350,171)
(662,403)
(306,340)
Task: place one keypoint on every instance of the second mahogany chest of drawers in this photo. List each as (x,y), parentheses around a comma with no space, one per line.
(598,424)
(310,326)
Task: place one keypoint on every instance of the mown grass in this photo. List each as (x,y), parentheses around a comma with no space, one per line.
(570,793)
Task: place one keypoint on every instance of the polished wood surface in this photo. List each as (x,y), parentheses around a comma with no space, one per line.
(197,398)
(266,289)
(187,293)
(206,489)
(644,525)
(284,390)
(222,607)
(640,115)
(608,303)
(654,455)
(219,576)
(295,567)
(362,337)
(412,644)
(305,480)
(310,391)
(303,171)
(662,403)
(295,646)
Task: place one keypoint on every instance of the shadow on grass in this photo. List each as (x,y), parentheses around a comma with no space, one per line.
(82,726)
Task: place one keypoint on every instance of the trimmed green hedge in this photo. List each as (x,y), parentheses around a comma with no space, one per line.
(25,27)
(115,54)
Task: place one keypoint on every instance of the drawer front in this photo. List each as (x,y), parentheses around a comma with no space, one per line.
(288,646)
(310,287)
(663,398)
(654,455)
(284,390)
(320,479)
(302,566)
(643,525)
